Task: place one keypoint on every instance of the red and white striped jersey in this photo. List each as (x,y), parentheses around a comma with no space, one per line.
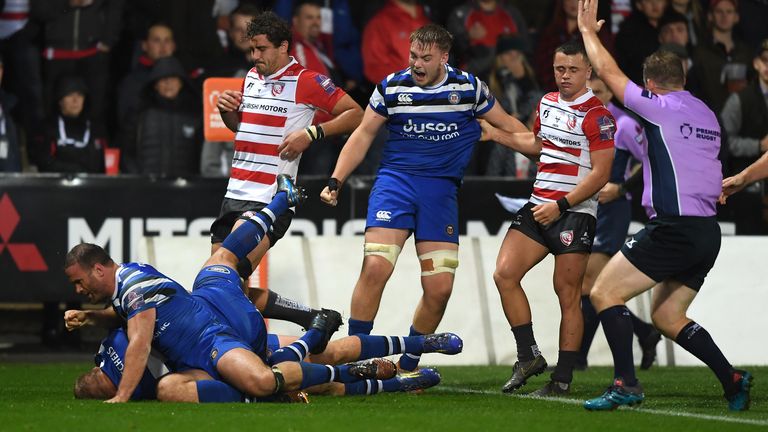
(569,132)
(273,107)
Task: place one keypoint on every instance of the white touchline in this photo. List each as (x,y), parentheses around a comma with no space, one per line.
(581,402)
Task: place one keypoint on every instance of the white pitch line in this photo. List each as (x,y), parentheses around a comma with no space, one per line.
(581,402)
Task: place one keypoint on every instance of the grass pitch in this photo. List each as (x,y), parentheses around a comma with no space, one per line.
(39,397)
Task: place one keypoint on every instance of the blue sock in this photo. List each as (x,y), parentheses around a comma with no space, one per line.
(217,391)
(617,326)
(247,236)
(359,327)
(314,374)
(410,361)
(382,346)
(370,387)
(298,350)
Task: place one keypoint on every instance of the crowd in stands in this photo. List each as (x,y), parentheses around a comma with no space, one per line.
(87,77)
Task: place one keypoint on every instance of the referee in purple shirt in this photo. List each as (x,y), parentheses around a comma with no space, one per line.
(674,252)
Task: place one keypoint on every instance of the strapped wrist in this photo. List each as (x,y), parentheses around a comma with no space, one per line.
(315,132)
(563,205)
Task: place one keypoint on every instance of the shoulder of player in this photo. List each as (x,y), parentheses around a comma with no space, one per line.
(551,97)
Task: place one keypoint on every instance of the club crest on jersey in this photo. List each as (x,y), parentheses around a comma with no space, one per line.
(214,354)
(454,98)
(571,122)
(566,237)
(277,88)
(449,230)
(134,301)
(325,83)
(607,127)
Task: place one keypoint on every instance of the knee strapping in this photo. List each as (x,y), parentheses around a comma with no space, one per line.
(439,261)
(389,252)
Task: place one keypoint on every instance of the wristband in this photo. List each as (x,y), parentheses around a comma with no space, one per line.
(563,205)
(622,190)
(333,184)
(315,132)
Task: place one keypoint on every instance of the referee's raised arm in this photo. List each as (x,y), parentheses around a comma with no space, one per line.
(602,61)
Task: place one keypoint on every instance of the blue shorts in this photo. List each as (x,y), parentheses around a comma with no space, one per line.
(426,206)
(612,224)
(273,343)
(215,341)
(218,289)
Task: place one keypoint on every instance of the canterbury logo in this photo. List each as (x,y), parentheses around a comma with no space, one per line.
(383,215)
(405,99)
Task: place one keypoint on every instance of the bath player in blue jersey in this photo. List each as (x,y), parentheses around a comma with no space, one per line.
(431,112)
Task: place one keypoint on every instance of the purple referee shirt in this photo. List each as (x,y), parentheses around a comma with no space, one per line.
(682,174)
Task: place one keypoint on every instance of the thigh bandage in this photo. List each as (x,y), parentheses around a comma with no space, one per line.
(389,252)
(439,261)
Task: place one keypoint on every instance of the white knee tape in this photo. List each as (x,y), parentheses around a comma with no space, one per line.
(439,261)
(389,252)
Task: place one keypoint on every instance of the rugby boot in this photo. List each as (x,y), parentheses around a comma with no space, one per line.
(615,396)
(327,321)
(740,400)
(375,368)
(418,380)
(648,344)
(553,389)
(296,194)
(521,371)
(443,343)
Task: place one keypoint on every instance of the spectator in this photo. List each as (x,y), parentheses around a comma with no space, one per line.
(168,141)
(754,15)
(745,119)
(22,68)
(638,37)
(513,82)
(10,153)
(673,32)
(720,63)
(385,38)
(476,27)
(157,44)
(560,29)
(310,47)
(78,37)
(694,17)
(73,142)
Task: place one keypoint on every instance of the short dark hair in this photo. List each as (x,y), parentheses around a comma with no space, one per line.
(157,24)
(300,4)
(87,386)
(664,67)
(672,16)
(270,24)
(433,34)
(245,9)
(573,47)
(87,255)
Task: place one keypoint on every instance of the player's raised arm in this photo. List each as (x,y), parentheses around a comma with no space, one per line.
(228,103)
(757,171)
(353,153)
(140,329)
(75,319)
(601,59)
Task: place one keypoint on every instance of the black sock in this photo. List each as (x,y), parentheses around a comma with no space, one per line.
(526,343)
(281,308)
(617,326)
(591,323)
(641,328)
(697,341)
(564,369)
(244,269)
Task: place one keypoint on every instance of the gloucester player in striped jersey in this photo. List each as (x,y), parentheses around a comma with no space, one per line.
(272,118)
(575,133)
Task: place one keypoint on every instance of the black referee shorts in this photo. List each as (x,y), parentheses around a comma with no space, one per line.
(681,248)
(573,232)
(231,209)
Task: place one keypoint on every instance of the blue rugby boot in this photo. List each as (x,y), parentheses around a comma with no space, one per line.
(617,395)
(443,343)
(296,194)
(418,380)
(740,400)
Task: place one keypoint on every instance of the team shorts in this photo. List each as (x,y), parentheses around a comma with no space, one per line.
(572,232)
(426,206)
(231,209)
(681,248)
(612,224)
(273,343)
(217,288)
(215,341)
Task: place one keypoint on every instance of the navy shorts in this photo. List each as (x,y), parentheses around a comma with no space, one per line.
(681,248)
(612,224)
(216,340)
(231,209)
(218,289)
(426,206)
(572,232)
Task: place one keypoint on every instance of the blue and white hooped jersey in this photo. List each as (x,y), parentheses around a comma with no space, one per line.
(432,130)
(180,319)
(111,360)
